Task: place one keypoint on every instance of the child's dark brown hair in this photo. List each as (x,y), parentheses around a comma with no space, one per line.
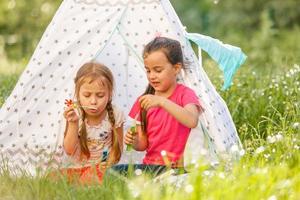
(172,50)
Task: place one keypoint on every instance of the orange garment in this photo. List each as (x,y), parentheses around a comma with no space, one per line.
(83,176)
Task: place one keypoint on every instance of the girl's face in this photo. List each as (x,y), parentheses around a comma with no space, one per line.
(161,73)
(93,97)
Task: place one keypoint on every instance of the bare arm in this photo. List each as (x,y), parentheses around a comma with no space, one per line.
(71,138)
(139,140)
(71,132)
(187,115)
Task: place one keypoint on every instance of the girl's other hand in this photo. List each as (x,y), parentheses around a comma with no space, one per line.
(71,115)
(129,137)
(149,101)
(103,166)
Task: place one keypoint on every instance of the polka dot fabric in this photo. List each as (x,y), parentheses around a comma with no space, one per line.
(113,33)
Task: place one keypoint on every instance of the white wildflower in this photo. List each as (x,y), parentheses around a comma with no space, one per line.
(206,173)
(222,175)
(273,197)
(294,139)
(194,161)
(278,137)
(189,188)
(271,139)
(267,156)
(288,75)
(260,150)
(234,148)
(296,125)
(214,163)
(138,172)
(242,152)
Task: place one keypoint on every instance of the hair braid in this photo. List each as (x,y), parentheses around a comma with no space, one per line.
(143,113)
(83,137)
(115,153)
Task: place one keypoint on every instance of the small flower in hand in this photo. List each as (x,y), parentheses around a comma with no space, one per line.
(70,103)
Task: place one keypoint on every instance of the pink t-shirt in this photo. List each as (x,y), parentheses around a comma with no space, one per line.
(164,132)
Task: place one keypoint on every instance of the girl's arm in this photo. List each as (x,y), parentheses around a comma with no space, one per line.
(138,140)
(71,138)
(71,132)
(187,115)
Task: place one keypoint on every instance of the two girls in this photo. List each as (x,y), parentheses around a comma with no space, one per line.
(166,112)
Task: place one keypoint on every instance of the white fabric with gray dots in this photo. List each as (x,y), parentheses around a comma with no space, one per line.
(114,33)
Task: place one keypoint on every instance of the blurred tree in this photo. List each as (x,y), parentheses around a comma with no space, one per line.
(219,17)
(22,23)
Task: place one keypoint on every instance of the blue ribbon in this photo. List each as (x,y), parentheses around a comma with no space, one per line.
(229,57)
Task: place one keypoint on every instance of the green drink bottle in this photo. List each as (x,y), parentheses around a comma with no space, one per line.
(129,146)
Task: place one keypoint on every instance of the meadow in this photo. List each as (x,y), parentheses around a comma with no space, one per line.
(264,101)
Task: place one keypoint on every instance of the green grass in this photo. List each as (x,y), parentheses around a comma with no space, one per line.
(265,104)
(9,74)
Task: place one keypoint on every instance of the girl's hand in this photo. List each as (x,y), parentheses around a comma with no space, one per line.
(103,166)
(129,137)
(71,115)
(149,101)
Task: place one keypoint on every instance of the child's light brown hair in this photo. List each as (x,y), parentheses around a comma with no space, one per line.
(90,72)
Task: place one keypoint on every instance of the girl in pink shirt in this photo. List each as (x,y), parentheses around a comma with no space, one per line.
(165,113)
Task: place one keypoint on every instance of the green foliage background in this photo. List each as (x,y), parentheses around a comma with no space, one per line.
(23,22)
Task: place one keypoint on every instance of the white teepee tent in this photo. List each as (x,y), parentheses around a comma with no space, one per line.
(112,32)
